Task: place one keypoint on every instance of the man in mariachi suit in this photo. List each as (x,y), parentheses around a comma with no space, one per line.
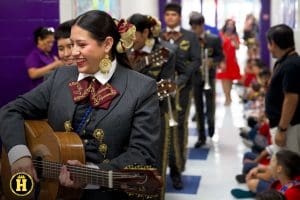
(212,45)
(187,61)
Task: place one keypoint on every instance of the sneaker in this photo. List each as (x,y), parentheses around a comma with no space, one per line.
(244,135)
(241,178)
(242,194)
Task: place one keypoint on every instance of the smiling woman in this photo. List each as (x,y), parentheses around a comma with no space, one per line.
(89,99)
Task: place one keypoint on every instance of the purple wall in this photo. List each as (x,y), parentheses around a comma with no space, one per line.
(18,19)
(265,16)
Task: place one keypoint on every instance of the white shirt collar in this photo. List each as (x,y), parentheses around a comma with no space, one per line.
(177,29)
(102,78)
(146,49)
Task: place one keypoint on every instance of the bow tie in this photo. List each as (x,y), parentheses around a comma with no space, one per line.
(99,96)
(172,35)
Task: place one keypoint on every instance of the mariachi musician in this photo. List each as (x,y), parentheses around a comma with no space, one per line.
(187,61)
(113,109)
(204,77)
(152,58)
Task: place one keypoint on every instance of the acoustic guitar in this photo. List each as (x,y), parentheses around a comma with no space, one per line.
(165,88)
(157,58)
(51,149)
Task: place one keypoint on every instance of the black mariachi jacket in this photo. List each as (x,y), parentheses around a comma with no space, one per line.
(188,56)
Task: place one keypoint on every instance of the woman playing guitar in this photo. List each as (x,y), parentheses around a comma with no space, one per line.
(113,109)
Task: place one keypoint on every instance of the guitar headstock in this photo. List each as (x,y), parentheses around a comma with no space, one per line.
(158,57)
(165,88)
(140,182)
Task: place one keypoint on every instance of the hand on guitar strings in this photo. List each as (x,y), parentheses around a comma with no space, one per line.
(24,164)
(65,175)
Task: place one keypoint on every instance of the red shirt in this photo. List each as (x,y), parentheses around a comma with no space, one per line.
(264,130)
(249,78)
(292,193)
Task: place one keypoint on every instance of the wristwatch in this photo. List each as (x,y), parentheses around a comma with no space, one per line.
(279,128)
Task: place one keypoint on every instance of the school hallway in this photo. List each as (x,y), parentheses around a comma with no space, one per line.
(211,170)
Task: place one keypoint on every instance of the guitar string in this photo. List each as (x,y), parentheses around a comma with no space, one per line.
(96,177)
(84,170)
(104,180)
(78,167)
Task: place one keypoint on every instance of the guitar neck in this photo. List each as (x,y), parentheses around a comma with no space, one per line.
(86,175)
(143,63)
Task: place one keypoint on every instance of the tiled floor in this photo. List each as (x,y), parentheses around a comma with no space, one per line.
(210,171)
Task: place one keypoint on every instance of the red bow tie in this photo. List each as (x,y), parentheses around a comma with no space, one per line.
(172,35)
(100,96)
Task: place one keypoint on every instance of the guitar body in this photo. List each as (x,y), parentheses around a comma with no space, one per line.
(44,144)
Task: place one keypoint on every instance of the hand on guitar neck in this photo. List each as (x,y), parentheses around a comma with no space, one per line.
(65,176)
(24,164)
(58,159)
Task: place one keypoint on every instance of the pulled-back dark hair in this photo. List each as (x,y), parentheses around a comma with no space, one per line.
(282,35)
(290,161)
(141,23)
(173,7)
(42,33)
(196,18)
(101,25)
(63,31)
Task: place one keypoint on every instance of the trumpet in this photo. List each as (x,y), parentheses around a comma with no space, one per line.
(205,69)
(172,121)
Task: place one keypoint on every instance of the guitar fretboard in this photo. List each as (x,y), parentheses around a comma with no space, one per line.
(87,175)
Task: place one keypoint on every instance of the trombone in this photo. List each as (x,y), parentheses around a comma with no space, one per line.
(205,69)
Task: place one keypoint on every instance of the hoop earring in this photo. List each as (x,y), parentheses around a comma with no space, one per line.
(105,65)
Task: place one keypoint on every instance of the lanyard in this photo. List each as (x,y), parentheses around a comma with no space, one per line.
(83,119)
(289,185)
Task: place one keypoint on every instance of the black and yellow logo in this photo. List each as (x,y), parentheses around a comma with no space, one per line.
(184,45)
(21,184)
